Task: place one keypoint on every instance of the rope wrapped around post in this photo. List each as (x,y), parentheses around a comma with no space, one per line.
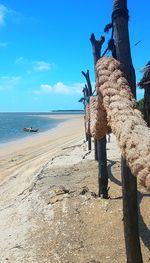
(98,120)
(125,120)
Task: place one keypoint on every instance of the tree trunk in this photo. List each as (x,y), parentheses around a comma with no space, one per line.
(129,183)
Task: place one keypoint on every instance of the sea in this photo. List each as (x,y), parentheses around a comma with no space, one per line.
(12,124)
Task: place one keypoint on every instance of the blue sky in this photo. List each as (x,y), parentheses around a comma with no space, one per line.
(44,46)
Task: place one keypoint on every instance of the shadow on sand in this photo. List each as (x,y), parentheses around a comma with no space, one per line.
(143,228)
(110,174)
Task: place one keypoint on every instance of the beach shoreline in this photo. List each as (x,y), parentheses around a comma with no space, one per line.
(27,155)
(35,137)
(63,118)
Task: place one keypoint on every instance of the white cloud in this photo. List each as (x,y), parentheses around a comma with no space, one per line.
(7,82)
(3,12)
(41,66)
(46,88)
(34,66)
(7,13)
(61,88)
(78,87)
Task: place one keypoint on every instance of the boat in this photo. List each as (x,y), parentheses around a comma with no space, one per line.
(30,129)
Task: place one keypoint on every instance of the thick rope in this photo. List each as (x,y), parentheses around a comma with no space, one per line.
(125,120)
(98,120)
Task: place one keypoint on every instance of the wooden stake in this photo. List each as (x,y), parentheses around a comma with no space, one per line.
(100,145)
(89,93)
(129,183)
(130,215)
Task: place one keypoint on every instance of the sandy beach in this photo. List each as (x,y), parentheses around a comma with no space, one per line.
(38,148)
(49,208)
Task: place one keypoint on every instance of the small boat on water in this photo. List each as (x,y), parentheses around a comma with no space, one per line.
(30,129)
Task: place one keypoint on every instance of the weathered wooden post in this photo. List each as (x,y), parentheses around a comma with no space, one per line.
(89,93)
(100,145)
(145,84)
(129,182)
(96,46)
(83,100)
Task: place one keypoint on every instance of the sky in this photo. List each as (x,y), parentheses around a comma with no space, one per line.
(44,46)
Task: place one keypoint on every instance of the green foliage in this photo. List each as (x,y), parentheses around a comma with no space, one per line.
(140,105)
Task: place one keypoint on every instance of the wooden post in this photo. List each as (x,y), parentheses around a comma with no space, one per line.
(85,95)
(103,173)
(147,104)
(129,182)
(96,46)
(145,84)
(95,150)
(87,77)
(89,93)
(100,145)
(122,42)
(130,215)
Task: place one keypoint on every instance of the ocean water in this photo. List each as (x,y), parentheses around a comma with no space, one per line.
(12,124)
